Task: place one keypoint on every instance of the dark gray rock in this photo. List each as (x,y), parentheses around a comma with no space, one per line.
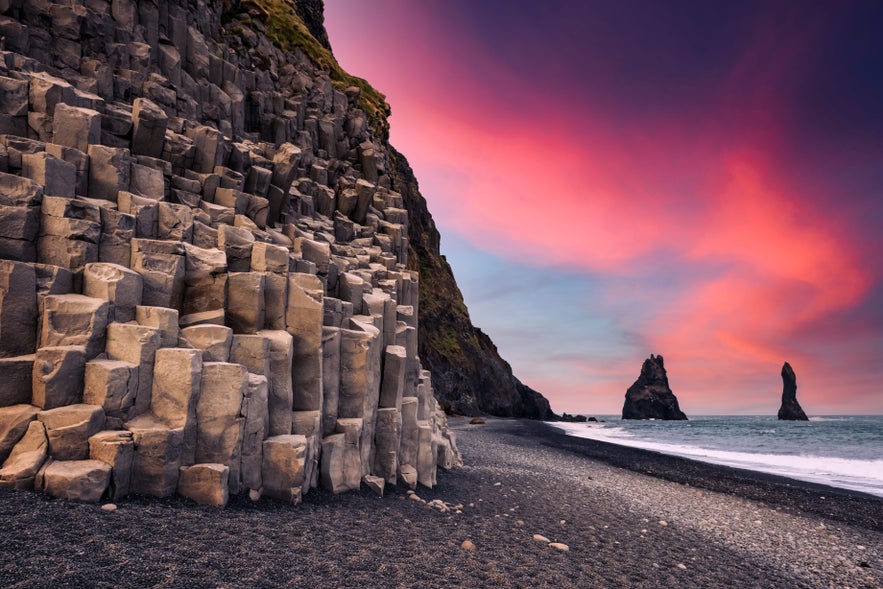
(650,397)
(790,409)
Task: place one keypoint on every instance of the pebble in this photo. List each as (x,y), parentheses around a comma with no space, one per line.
(519,522)
(540,538)
(682,566)
(415,497)
(663,523)
(109,507)
(467,545)
(560,546)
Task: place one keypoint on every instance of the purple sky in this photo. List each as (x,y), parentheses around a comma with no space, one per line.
(697,180)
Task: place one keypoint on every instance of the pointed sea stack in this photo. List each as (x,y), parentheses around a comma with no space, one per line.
(790,409)
(650,397)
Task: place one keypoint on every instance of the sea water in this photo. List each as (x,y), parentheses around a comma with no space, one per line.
(843,451)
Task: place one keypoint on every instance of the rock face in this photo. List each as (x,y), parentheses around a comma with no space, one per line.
(790,409)
(650,397)
(207,282)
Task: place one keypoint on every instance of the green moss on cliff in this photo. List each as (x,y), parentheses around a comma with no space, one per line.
(287,31)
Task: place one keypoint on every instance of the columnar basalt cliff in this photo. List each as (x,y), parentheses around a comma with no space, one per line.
(209,263)
(790,409)
(650,397)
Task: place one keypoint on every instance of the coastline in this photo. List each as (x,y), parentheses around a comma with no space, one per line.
(846,505)
(706,529)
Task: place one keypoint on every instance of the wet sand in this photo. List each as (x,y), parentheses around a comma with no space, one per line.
(630,518)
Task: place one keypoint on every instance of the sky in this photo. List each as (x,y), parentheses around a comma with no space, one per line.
(700,180)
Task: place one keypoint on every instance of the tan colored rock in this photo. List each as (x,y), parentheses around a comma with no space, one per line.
(76,480)
(253,352)
(136,344)
(408,476)
(58,177)
(214,341)
(25,460)
(387,439)
(426,455)
(215,317)
(163,319)
(177,382)
(113,386)
(237,243)
(74,320)
(245,301)
(117,450)
(149,128)
(144,210)
(162,266)
(266,257)
(330,378)
(219,417)
(157,456)
(118,285)
(393,383)
(18,309)
(352,469)
(76,127)
(306,423)
(14,421)
(207,484)
(304,322)
(255,429)
(280,392)
(283,472)
(109,171)
(58,376)
(374,484)
(69,428)
(17,376)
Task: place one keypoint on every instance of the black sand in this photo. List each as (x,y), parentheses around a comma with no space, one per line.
(687,525)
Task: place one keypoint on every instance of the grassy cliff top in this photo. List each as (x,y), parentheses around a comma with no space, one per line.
(287,31)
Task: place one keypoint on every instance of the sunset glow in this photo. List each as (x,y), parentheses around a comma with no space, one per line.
(613,180)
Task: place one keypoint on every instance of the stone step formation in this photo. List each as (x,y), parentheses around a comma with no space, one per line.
(203,267)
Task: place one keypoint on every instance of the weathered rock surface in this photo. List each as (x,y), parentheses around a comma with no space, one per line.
(650,397)
(790,409)
(208,283)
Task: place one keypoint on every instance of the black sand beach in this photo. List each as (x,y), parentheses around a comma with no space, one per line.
(630,519)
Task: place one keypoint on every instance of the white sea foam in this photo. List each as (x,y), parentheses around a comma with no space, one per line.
(857,475)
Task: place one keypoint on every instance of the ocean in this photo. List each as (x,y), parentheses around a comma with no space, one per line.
(843,451)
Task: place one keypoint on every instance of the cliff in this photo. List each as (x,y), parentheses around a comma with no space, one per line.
(204,261)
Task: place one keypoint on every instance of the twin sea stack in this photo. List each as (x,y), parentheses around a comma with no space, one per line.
(651,397)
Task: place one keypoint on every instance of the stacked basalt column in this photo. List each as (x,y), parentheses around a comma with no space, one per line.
(203,283)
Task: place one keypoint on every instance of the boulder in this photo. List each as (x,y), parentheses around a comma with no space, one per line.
(207,484)
(790,409)
(283,470)
(25,460)
(650,396)
(69,428)
(14,422)
(75,480)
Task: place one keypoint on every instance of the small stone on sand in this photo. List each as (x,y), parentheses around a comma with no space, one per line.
(109,507)
(467,545)
(540,538)
(560,546)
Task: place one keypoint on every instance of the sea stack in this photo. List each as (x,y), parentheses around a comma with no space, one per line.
(790,409)
(650,397)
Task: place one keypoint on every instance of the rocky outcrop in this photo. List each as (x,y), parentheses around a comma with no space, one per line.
(651,397)
(205,271)
(790,409)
